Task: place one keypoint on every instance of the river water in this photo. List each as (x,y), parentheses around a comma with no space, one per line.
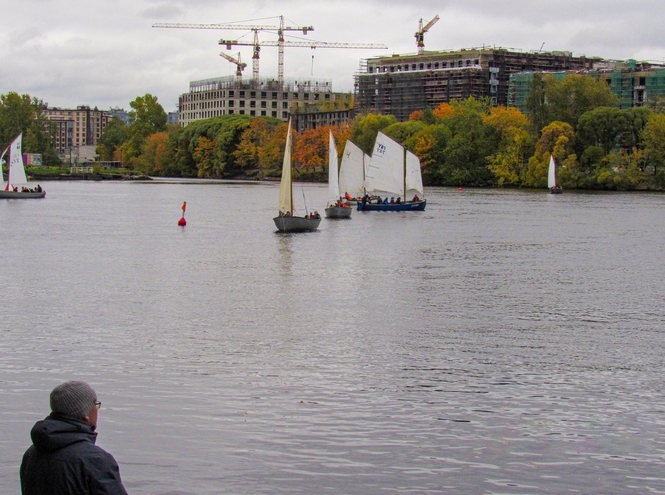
(501,342)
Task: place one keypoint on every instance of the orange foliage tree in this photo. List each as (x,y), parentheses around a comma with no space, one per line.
(444,110)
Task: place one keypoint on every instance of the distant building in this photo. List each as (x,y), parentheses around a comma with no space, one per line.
(633,82)
(227,96)
(172,118)
(400,84)
(122,114)
(76,127)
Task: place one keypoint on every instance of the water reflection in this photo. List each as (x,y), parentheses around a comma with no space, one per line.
(469,349)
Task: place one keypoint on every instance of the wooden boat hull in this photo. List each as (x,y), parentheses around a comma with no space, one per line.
(296,224)
(21,195)
(338,212)
(409,206)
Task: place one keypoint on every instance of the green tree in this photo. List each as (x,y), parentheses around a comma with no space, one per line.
(653,137)
(148,117)
(603,127)
(366,127)
(569,98)
(536,103)
(114,136)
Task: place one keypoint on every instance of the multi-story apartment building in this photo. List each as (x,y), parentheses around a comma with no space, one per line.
(401,84)
(228,95)
(76,127)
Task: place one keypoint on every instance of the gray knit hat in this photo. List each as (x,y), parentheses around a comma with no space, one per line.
(73,398)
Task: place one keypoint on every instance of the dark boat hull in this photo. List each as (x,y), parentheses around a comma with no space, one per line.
(296,224)
(21,195)
(338,212)
(556,191)
(409,206)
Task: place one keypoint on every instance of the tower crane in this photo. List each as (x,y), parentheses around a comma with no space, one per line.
(240,66)
(420,34)
(303,44)
(255,28)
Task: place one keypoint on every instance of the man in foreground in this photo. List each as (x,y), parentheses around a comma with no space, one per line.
(64,459)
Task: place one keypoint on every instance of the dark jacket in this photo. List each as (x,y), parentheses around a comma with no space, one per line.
(64,460)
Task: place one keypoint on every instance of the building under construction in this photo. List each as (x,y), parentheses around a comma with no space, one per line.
(264,97)
(400,84)
(635,83)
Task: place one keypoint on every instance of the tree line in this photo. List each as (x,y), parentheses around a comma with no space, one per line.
(577,120)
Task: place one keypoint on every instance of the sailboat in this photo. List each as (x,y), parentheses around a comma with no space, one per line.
(286,221)
(551,178)
(337,208)
(16,174)
(352,172)
(394,173)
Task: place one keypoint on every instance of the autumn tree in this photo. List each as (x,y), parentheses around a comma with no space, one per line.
(511,128)
(556,140)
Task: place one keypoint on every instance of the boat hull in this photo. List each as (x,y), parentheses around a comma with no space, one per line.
(21,195)
(409,206)
(296,224)
(556,191)
(338,212)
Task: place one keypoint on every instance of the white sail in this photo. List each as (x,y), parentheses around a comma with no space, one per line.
(385,172)
(551,174)
(333,178)
(2,162)
(16,175)
(414,176)
(285,189)
(352,170)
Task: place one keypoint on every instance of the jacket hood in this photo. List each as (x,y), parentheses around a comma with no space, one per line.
(56,432)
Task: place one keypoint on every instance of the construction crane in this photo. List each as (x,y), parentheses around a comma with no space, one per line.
(420,34)
(243,27)
(303,44)
(240,66)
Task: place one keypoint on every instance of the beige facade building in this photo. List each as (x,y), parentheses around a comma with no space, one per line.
(264,98)
(74,128)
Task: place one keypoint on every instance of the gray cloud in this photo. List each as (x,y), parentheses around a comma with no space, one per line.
(103,53)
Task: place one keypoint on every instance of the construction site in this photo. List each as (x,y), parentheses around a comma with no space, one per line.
(312,101)
(400,84)
(635,83)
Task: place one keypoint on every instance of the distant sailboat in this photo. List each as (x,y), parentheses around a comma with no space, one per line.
(336,208)
(16,174)
(551,178)
(352,172)
(394,173)
(286,221)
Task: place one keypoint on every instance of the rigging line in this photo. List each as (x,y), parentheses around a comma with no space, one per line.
(303,198)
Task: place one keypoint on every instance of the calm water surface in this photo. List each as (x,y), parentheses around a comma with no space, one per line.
(501,342)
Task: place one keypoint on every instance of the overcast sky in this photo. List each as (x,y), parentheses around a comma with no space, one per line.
(105,53)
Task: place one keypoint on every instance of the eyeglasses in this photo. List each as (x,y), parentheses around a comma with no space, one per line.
(98,404)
